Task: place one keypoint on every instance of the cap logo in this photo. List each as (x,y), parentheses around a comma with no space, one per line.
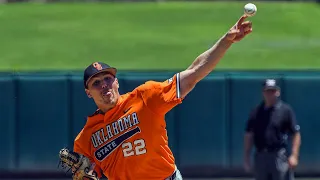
(97,66)
(271,82)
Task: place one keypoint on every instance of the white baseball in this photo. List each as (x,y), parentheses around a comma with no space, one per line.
(250,9)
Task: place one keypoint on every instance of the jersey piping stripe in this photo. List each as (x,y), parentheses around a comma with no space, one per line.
(178,85)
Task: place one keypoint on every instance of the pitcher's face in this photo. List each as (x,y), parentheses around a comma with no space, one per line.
(103,88)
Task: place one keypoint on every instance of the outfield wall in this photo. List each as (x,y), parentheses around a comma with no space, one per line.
(43,112)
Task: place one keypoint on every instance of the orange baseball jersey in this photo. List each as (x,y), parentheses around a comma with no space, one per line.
(130,141)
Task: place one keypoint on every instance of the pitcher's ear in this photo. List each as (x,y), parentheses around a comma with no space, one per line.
(88,93)
(117,82)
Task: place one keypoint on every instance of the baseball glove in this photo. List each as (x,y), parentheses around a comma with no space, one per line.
(80,166)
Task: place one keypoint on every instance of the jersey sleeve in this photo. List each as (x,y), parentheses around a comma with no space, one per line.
(82,148)
(161,97)
(292,124)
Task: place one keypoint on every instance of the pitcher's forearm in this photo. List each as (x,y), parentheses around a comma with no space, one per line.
(207,61)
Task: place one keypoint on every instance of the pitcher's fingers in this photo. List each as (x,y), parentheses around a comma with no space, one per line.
(248,32)
(247,23)
(240,21)
(247,28)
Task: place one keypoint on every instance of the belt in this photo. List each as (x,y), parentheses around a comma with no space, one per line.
(268,149)
(173,176)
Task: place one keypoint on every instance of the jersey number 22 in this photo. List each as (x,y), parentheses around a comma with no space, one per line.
(137,148)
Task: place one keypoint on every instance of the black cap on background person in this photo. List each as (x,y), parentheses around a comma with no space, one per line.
(270,84)
(271,92)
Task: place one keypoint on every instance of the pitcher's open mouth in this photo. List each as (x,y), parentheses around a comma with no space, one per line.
(107,93)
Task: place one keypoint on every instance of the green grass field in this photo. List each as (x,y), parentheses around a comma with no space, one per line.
(155,35)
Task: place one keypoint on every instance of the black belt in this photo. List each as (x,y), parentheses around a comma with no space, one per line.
(268,149)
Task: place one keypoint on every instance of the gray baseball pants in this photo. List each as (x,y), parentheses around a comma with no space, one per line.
(272,166)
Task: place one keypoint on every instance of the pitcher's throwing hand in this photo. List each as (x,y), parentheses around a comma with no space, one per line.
(239,30)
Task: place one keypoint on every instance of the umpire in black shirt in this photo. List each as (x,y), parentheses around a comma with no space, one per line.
(268,128)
